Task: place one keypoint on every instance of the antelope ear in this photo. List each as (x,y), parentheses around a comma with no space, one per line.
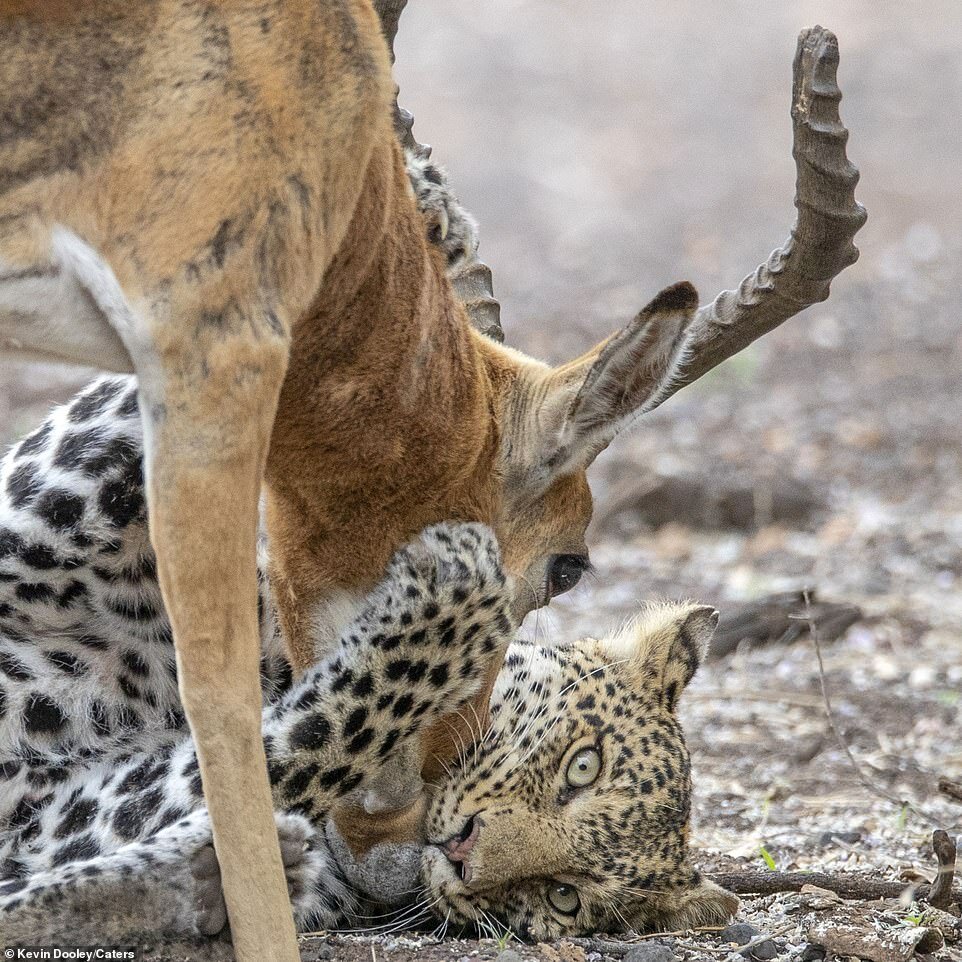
(575,410)
(663,646)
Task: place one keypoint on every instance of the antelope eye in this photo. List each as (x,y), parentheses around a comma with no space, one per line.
(584,768)
(564,898)
(564,572)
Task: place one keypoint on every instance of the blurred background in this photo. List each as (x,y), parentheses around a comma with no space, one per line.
(609,149)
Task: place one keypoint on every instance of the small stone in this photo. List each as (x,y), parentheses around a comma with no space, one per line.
(739,933)
(650,952)
(764,951)
(508,955)
(850,838)
(812,953)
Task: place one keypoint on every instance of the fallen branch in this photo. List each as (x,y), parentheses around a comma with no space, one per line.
(781,618)
(848,886)
(709,502)
(940,895)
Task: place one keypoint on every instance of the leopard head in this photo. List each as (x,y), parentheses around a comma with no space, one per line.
(571,813)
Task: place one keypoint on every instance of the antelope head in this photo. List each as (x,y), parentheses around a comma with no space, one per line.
(554,423)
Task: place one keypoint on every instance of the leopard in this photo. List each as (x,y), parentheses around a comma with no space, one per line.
(450,226)
(568,812)
(135,815)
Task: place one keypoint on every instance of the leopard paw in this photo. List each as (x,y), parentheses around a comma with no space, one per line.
(449,226)
(295,835)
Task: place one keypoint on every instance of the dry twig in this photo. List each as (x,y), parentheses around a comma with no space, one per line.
(742,949)
(860,773)
(939,895)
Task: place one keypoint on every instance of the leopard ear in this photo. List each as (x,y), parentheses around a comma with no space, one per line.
(663,646)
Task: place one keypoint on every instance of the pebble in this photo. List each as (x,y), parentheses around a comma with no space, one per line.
(650,952)
(812,953)
(741,933)
(764,950)
(508,955)
(850,838)
(317,953)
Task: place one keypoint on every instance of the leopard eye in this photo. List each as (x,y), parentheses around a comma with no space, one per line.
(584,768)
(564,572)
(564,898)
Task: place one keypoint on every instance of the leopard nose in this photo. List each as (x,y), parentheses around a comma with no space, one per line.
(458,848)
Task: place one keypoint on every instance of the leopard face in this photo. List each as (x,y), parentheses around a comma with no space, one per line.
(571,813)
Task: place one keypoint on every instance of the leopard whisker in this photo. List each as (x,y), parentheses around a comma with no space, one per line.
(409,915)
(424,895)
(558,718)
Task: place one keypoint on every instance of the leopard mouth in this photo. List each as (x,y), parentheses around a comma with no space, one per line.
(443,884)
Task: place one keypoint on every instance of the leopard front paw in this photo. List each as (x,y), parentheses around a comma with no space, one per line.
(449,226)
(463,557)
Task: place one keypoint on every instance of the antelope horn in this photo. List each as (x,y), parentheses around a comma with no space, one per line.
(471,279)
(390,13)
(799,273)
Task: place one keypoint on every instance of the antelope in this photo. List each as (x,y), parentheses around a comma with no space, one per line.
(211,194)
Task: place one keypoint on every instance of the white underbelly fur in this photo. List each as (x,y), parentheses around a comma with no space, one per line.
(71,309)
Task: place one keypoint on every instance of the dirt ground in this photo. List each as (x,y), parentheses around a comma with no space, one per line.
(609,149)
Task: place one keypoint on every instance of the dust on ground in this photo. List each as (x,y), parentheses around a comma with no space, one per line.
(611,149)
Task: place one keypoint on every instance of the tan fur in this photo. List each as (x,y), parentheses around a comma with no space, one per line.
(218,186)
